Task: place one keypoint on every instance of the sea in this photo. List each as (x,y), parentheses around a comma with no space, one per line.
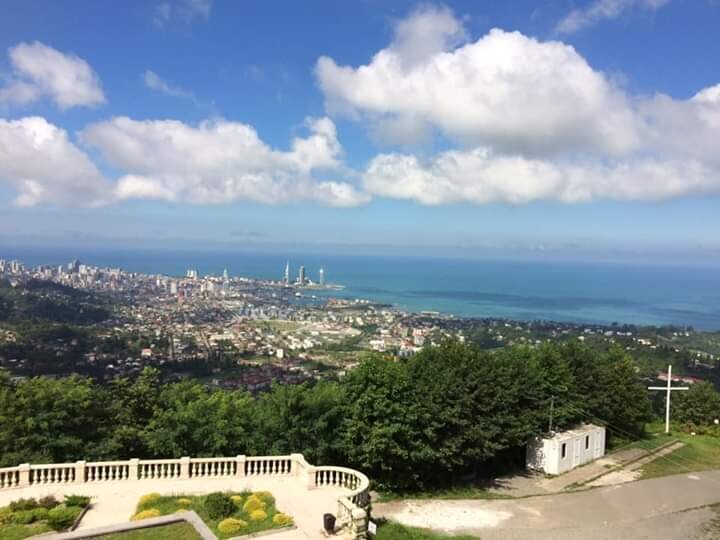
(583,292)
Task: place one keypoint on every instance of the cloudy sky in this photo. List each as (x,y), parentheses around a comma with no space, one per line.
(546,126)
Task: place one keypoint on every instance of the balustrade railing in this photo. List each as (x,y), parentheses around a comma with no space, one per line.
(352,504)
(9,477)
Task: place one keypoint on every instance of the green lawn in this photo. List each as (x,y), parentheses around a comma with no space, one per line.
(18,532)
(166,505)
(394,531)
(176,531)
(465,492)
(700,453)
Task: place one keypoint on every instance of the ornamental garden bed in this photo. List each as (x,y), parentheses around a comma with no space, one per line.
(228,514)
(27,517)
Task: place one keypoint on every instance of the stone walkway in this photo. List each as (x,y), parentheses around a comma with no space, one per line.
(115,502)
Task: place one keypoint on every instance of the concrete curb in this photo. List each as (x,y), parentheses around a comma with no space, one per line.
(189,517)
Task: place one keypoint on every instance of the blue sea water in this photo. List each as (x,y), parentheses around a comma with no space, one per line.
(523,290)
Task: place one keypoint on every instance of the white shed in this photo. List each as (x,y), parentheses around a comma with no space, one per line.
(559,452)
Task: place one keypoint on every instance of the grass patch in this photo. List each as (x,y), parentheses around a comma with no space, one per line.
(239,509)
(176,531)
(395,531)
(18,532)
(700,453)
(466,492)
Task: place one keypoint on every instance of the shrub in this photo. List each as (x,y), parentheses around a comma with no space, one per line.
(77,500)
(258,515)
(253,503)
(237,500)
(23,504)
(40,513)
(51,502)
(231,525)
(146,514)
(5,514)
(22,517)
(282,520)
(265,496)
(150,498)
(184,501)
(219,505)
(62,517)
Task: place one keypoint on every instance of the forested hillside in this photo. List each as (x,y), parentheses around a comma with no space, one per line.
(446,413)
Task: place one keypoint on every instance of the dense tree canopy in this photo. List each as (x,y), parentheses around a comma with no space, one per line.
(447,412)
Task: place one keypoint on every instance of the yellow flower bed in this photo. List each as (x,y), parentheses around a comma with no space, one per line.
(231,525)
(146,514)
(258,515)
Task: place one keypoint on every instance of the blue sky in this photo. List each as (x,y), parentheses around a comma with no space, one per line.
(580,129)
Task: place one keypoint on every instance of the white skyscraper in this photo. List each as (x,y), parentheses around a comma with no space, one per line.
(322,276)
(287,272)
(301,275)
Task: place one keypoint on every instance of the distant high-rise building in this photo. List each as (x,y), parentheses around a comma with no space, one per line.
(322,276)
(173,287)
(74,266)
(225,274)
(192,274)
(287,272)
(301,275)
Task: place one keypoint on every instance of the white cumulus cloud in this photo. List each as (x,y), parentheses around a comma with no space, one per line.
(529,120)
(41,71)
(39,161)
(220,161)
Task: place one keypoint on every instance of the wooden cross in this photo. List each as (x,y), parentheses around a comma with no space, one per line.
(669,389)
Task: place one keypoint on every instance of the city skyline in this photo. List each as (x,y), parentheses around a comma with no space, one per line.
(224,125)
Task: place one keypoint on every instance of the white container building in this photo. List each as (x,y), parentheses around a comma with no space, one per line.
(564,450)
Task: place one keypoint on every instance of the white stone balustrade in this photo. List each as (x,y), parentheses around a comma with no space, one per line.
(352,504)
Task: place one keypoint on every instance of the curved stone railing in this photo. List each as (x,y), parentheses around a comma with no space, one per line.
(352,506)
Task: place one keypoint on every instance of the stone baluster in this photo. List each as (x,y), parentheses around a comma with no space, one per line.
(240,461)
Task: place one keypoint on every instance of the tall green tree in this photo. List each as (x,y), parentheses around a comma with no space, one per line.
(699,406)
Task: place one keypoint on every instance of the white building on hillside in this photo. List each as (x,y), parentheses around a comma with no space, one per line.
(559,452)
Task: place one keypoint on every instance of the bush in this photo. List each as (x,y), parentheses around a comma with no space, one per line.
(40,513)
(146,514)
(22,517)
(265,496)
(258,515)
(231,525)
(237,500)
(253,503)
(184,501)
(62,517)
(51,502)
(150,498)
(282,520)
(23,504)
(219,505)
(5,514)
(77,500)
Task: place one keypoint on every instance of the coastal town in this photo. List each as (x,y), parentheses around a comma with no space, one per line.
(239,332)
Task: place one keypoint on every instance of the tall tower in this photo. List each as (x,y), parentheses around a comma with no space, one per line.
(287,273)
(225,274)
(322,276)
(301,275)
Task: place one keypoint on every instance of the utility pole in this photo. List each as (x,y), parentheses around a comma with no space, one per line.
(552,407)
(669,388)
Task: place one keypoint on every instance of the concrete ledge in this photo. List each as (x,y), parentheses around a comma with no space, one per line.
(189,517)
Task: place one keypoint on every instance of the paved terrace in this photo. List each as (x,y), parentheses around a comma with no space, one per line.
(304,491)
